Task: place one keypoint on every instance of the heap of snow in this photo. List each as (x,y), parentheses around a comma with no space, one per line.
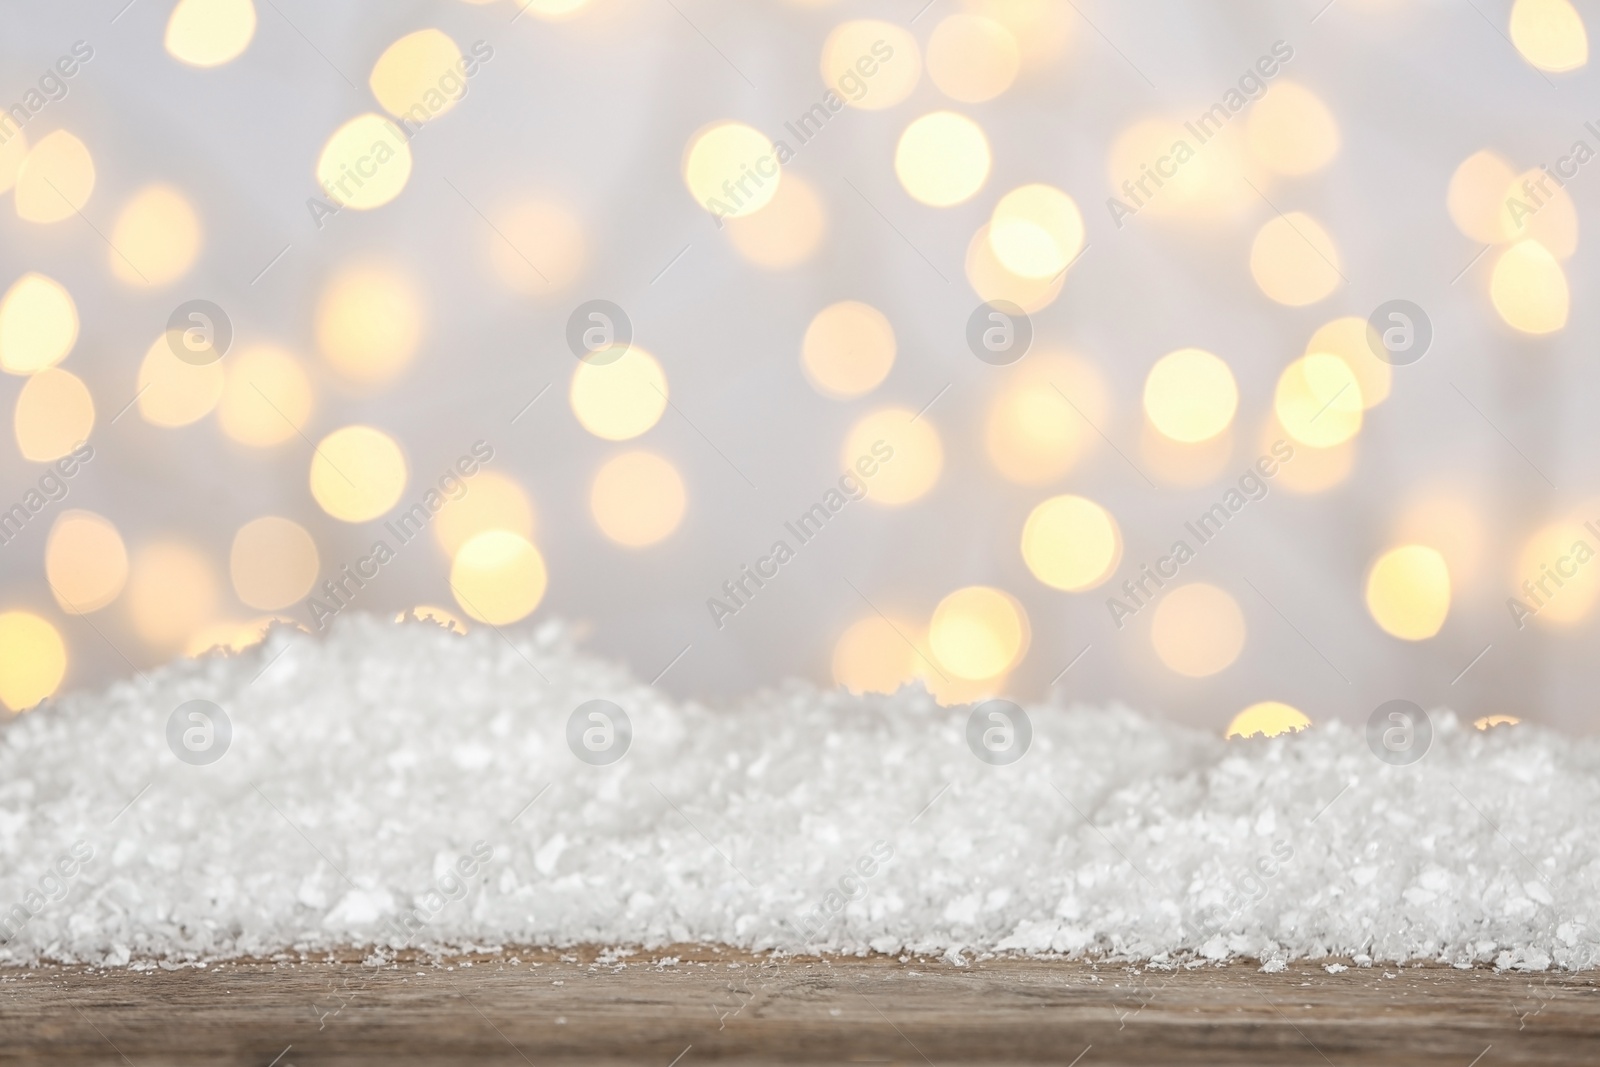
(402,785)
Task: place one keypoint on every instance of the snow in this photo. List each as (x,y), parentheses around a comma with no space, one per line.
(392,785)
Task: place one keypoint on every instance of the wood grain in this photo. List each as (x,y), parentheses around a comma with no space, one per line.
(727,1006)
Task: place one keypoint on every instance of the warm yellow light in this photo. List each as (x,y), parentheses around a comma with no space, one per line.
(85,561)
(436,615)
(537,247)
(875,655)
(1488,721)
(498,577)
(1556,577)
(1544,213)
(1155,169)
(1353,340)
(731,169)
(1042,29)
(1036,231)
(942,159)
(786,232)
(1450,523)
(1408,592)
(1529,289)
(175,392)
(978,632)
(369,323)
(972,58)
(492,501)
(55,180)
(848,349)
(1318,400)
(12,152)
(1476,197)
(637,499)
(38,324)
(1269,719)
(417,77)
(208,33)
(1071,543)
(156,238)
(357,473)
(1198,629)
(266,397)
(1549,34)
(1291,131)
(365,163)
(54,415)
(1190,395)
(551,10)
(992,282)
(1042,420)
(1294,260)
(1312,470)
(273,562)
(33,660)
(172,593)
(905,457)
(621,399)
(870,64)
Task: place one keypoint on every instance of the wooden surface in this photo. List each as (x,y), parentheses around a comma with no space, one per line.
(714,1005)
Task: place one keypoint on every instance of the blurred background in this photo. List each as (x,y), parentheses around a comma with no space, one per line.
(297,279)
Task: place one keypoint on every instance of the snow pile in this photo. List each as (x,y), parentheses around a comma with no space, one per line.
(403,785)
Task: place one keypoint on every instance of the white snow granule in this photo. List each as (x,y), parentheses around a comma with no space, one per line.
(394,785)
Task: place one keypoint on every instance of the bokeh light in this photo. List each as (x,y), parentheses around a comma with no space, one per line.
(172,592)
(870,64)
(1353,340)
(38,324)
(875,655)
(1294,261)
(978,632)
(156,238)
(1408,592)
(621,399)
(1041,420)
(1318,401)
(365,163)
(13,151)
(209,33)
(1071,543)
(551,10)
(1311,470)
(33,660)
(498,577)
(1529,289)
(1198,629)
(55,180)
(357,473)
(369,323)
(1206,186)
(905,456)
(991,280)
(1036,231)
(273,562)
(1291,131)
(1190,395)
(1476,196)
(416,78)
(537,247)
(1446,520)
(637,499)
(1268,719)
(441,617)
(54,415)
(1555,578)
(731,169)
(175,392)
(942,159)
(1042,29)
(972,58)
(1549,34)
(492,501)
(848,349)
(1532,206)
(266,397)
(787,231)
(85,561)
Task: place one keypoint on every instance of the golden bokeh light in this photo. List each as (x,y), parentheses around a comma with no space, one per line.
(492,501)
(441,617)
(1036,231)
(1549,34)
(992,282)
(409,78)
(209,33)
(273,562)
(1269,719)
(54,415)
(1042,29)
(33,660)
(1071,543)
(498,577)
(1487,722)
(38,324)
(266,397)
(904,456)
(365,163)
(1353,340)
(1529,289)
(1476,196)
(972,58)
(787,231)
(537,247)
(637,499)
(847,350)
(870,64)
(172,592)
(1533,207)
(1318,400)
(357,473)
(1190,395)
(1311,470)
(621,399)
(85,561)
(942,159)
(1294,261)
(731,169)
(12,152)
(551,10)
(1555,576)
(875,655)
(55,180)
(156,238)
(978,632)
(369,323)
(1408,592)
(175,392)
(1198,630)
(1042,419)
(1291,131)
(1154,169)
(1449,522)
